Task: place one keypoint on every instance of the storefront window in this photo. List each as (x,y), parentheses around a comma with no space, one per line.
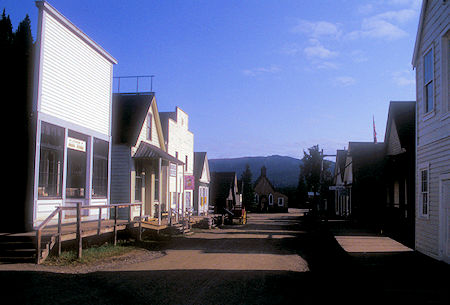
(51,161)
(76,165)
(100,169)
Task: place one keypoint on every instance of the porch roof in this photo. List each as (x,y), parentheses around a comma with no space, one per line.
(149,151)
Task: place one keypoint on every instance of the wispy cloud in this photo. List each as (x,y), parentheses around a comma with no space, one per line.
(384,25)
(318,29)
(404,78)
(344,81)
(261,70)
(316,49)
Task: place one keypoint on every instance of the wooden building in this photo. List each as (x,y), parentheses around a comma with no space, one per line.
(431,59)
(71,120)
(341,192)
(224,191)
(140,163)
(363,180)
(202,181)
(266,196)
(179,141)
(399,173)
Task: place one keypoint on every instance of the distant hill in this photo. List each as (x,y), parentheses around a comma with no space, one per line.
(282,171)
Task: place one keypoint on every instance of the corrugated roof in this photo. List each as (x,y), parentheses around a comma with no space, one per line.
(149,151)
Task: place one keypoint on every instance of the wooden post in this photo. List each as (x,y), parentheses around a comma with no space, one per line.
(59,231)
(38,246)
(99,226)
(116,210)
(159,191)
(79,238)
(140,224)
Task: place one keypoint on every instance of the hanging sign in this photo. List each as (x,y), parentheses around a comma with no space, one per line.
(189,182)
(76,144)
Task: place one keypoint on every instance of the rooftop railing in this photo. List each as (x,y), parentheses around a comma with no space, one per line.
(133,84)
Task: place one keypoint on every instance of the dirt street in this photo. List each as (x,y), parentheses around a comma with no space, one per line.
(255,263)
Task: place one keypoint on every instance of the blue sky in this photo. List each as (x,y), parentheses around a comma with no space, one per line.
(259,78)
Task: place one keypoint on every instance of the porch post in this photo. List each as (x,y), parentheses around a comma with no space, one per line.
(176,193)
(159,191)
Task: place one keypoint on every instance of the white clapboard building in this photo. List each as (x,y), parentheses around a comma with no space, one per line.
(180,144)
(431,60)
(72,104)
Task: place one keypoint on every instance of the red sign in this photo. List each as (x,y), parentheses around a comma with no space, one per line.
(189,182)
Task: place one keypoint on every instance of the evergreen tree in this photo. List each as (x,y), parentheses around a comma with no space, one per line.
(248,194)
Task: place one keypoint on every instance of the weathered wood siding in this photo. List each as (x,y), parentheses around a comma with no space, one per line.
(433,128)
(73,73)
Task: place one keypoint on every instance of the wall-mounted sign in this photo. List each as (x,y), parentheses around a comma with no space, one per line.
(189,182)
(173,170)
(76,144)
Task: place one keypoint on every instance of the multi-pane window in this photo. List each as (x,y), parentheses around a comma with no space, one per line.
(149,126)
(51,161)
(424,178)
(138,183)
(100,169)
(428,81)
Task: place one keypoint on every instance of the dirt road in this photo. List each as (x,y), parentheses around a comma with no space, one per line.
(255,263)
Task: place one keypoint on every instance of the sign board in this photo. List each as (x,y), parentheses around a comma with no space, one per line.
(336,188)
(189,182)
(173,170)
(76,144)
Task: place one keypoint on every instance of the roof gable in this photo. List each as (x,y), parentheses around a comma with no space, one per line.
(419,33)
(129,115)
(400,127)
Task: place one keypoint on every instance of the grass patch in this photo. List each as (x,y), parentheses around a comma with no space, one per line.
(90,255)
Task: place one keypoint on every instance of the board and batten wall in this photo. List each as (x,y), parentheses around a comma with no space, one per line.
(73,90)
(433,129)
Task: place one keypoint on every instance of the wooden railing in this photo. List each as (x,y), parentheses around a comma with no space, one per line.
(78,208)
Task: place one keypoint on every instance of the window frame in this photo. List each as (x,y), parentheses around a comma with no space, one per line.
(270,199)
(424,168)
(103,179)
(426,82)
(56,150)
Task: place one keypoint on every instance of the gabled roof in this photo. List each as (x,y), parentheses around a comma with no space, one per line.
(419,33)
(199,162)
(401,119)
(339,169)
(129,113)
(221,184)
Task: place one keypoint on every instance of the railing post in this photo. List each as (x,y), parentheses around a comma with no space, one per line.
(99,226)
(79,238)
(38,246)
(140,223)
(116,209)
(59,230)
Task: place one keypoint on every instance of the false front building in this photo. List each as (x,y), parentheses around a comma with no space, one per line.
(72,119)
